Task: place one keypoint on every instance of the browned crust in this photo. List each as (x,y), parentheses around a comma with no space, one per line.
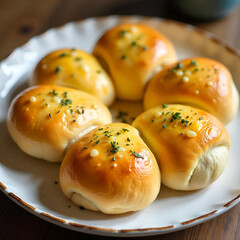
(228,204)
(3,186)
(52,217)
(21,201)
(199,218)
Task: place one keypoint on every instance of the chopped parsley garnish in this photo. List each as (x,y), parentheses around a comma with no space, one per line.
(63,54)
(121,114)
(201,118)
(136,154)
(164,126)
(114,158)
(134,43)
(122,33)
(124,57)
(78,111)
(53,92)
(128,139)
(50,115)
(194,63)
(115,148)
(78,59)
(58,69)
(65,94)
(85,147)
(181,133)
(58,111)
(125,130)
(100,129)
(145,47)
(74,120)
(118,133)
(65,102)
(164,105)
(97,142)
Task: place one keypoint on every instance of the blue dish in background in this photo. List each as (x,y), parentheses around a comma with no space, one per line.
(205,9)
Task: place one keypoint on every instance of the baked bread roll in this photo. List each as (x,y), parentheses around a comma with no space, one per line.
(199,82)
(110,170)
(77,69)
(191,145)
(132,54)
(44,120)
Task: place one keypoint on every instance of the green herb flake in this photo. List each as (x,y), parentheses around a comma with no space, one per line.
(201,118)
(122,33)
(134,44)
(125,130)
(115,148)
(100,129)
(136,154)
(85,147)
(53,92)
(58,111)
(164,105)
(58,69)
(114,158)
(121,114)
(74,120)
(128,139)
(65,102)
(118,133)
(50,115)
(78,59)
(194,63)
(124,57)
(65,94)
(181,133)
(79,112)
(164,126)
(97,142)
(63,54)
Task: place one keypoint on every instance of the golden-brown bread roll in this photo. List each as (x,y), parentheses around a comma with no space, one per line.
(44,120)
(110,170)
(77,69)
(132,53)
(191,145)
(199,82)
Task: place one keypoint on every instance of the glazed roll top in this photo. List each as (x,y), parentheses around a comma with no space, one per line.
(44,120)
(110,170)
(199,82)
(132,54)
(191,145)
(77,69)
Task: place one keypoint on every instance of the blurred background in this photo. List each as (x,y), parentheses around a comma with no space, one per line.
(22,19)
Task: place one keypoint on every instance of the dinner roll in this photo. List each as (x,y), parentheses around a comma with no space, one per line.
(132,54)
(44,120)
(77,69)
(110,170)
(199,82)
(191,145)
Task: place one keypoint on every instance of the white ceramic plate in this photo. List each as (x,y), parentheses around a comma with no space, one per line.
(31,182)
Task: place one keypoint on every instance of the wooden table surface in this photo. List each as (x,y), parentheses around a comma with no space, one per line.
(22,19)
